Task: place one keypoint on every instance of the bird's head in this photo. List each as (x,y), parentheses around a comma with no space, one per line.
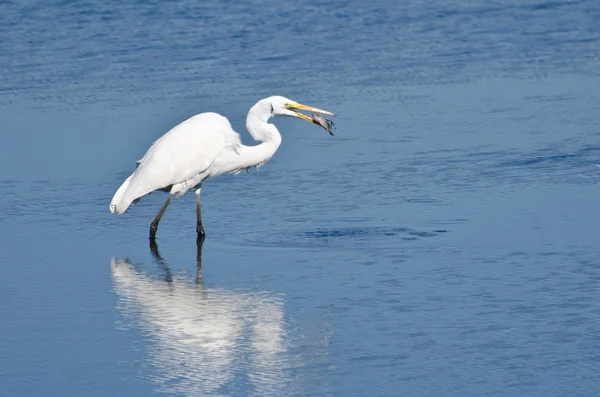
(282,106)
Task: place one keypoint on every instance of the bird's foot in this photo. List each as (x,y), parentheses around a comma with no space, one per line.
(153,229)
(201,233)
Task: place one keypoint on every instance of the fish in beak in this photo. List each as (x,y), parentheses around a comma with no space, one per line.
(316,117)
(321,121)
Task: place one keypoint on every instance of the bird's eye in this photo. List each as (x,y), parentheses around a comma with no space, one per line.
(272,109)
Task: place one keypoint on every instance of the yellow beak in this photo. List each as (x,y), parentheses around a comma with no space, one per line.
(299,106)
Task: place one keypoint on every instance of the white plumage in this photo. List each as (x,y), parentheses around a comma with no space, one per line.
(201,147)
(181,158)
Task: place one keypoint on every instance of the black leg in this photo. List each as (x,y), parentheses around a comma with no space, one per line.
(154,224)
(199,228)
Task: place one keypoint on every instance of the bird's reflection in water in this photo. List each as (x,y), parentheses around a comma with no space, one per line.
(204,340)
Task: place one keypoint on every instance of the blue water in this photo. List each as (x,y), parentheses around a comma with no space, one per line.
(443,243)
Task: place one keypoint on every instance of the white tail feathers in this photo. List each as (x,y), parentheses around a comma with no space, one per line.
(119,202)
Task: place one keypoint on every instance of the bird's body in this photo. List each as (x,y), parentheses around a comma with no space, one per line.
(174,162)
(201,147)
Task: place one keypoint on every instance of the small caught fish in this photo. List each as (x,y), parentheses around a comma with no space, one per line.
(323,122)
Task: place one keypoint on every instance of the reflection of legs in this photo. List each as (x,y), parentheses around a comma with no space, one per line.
(154,224)
(199,228)
(161,262)
(199,243)
(154,250)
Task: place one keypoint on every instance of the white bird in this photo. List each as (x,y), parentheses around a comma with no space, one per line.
(201,147)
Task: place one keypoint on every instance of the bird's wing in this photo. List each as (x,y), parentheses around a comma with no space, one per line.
(182,153)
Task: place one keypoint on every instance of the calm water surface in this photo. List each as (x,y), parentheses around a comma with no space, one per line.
(443,243)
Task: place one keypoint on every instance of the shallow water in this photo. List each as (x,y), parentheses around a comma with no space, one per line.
(444,242)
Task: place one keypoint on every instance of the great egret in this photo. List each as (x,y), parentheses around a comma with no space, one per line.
(201,147)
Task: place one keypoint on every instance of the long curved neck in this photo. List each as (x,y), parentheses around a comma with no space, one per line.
(263,132)
(260,130)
